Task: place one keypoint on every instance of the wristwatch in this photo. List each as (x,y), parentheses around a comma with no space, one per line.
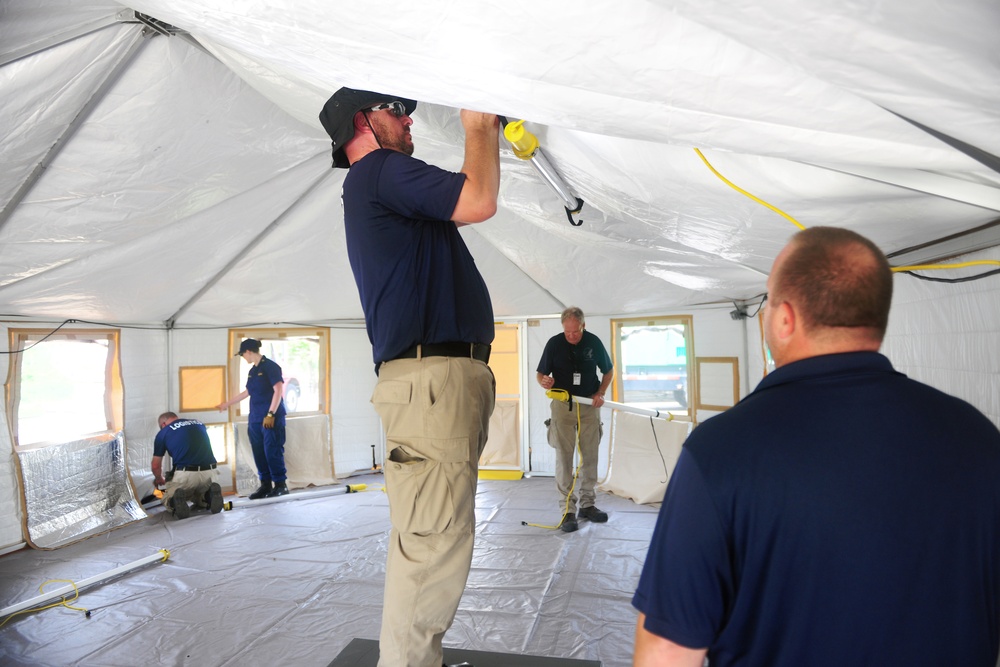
(270,414)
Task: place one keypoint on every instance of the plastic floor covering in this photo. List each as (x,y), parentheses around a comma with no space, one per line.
(295,582)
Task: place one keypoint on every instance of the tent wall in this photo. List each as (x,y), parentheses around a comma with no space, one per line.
(943,334)
(10,494)
(356,426)
(716,334)
(947,335)
(144,377)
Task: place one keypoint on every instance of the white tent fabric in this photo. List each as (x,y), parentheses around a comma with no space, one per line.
(164,171)
(193,162)
(644,454)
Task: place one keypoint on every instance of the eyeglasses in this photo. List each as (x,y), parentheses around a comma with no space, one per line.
(396,108)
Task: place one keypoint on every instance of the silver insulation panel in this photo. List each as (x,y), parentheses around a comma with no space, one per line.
(76,490)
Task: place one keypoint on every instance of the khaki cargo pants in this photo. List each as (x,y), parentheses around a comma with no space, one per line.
(562,436)
(436,414)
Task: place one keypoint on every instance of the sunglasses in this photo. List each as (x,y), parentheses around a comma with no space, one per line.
(396,108)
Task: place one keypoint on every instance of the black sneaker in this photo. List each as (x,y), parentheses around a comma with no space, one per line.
(280,489)
(263,491)
(568,524)
(179,504)
(215,498)
(593,514)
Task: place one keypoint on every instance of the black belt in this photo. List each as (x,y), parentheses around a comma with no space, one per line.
(479,351)
(196,468)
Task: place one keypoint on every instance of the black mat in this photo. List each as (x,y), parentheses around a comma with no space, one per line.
(364,653)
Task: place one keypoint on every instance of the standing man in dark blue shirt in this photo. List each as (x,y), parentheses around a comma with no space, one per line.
(266,421)
(430,322)
(570,362)
(195,477)
(840,514)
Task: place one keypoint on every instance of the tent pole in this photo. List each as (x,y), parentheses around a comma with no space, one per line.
(63,591)
(298,495)
(560,395)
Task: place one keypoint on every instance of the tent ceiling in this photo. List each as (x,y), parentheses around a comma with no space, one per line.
(151,178)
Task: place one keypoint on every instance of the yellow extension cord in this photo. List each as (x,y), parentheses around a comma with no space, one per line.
(64,602)
(895,269)
(917,267)
(563,395)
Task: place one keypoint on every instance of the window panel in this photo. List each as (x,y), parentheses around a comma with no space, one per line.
(63,386)
(654,363)
(218,434)
(303,357)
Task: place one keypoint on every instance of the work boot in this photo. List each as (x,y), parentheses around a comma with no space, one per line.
(214,498)
(280,489)
(593,514)
(568,524)
(179,504)
(263,491)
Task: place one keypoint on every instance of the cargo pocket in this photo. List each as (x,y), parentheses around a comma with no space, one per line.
(395,392)
(550,434)
(429,486)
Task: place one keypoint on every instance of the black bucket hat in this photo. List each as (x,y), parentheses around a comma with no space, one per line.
(337,116)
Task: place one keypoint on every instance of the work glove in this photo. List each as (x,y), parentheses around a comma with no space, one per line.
(269,420)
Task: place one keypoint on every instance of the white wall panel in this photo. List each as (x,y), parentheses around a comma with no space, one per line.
(10,493)
(356,426)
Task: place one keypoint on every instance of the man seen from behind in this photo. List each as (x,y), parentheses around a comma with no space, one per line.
(840,514)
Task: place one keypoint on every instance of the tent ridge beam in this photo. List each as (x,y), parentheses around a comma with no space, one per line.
(979,155)
(951,246)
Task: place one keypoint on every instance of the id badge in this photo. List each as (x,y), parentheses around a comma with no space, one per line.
(576,379)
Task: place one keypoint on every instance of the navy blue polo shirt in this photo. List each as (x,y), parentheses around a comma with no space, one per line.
(561,360)
(260,385)
(417,279)
(187,441)
(841,514)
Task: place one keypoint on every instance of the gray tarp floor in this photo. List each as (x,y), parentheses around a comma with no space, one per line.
(292,583)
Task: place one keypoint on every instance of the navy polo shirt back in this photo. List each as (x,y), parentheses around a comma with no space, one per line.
(417,280)
(187,441)
(841,514)
(560,360)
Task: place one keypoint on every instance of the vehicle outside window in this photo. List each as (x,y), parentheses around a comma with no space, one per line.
(299,358)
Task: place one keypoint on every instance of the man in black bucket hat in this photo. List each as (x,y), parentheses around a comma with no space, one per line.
(430,322)
(339,112)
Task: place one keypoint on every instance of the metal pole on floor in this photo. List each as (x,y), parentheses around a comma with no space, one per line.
(62,591)
(298,495)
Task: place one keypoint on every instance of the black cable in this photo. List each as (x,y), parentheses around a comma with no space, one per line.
(65,322)
(652,425)
(188,328)
(759,305)
(952,280)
